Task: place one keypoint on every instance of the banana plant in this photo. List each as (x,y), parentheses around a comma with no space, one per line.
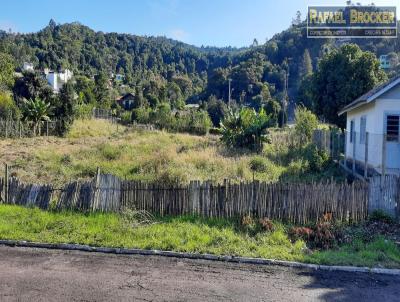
(36,111)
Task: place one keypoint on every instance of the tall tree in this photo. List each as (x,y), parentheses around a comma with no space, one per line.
(216,110)
(341,77)
(102,91)
(31,86)
(65,108)
(305,67)
(297,19)
(6,71)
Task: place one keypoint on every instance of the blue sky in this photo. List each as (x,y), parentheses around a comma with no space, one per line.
(198,22)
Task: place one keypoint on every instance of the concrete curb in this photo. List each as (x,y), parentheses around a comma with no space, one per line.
(262,261)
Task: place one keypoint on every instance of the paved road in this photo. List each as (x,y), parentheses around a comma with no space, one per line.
(28,274)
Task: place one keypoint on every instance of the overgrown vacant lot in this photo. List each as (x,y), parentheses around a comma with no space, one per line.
(147,155)
(190,234)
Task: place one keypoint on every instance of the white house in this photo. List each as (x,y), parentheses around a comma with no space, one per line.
(57,79)
(373,129)
(27,67)
(384,62)
(119,77)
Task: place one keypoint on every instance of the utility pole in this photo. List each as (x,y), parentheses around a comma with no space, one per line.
(286,95)
(229,92)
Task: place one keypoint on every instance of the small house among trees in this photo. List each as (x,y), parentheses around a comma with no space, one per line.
(373,129)
(127,101)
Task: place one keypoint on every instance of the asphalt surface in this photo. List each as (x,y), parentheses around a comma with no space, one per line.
(28,274)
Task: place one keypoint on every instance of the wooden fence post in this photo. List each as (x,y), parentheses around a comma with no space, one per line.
(337,151)
(366,155)
(96,190)
(354,152)
(384,156)
(6,183)
(47,128)
(20,129)
(6,130)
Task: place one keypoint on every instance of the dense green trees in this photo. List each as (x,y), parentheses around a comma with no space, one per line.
(216,110)
(342,76)
(164,74)
(196,121)
(85,88)
(6,71)
(8,109)
(31,86)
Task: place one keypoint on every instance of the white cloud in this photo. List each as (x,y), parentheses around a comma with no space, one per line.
(7,25)
(179,34)
(164,7)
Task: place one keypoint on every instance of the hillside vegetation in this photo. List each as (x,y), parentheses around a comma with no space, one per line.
(169,69)
(152,155)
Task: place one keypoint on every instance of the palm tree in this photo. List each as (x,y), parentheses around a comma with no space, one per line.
(36,111)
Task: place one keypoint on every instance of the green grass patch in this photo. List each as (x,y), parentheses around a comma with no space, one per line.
(379,252)
(184,234)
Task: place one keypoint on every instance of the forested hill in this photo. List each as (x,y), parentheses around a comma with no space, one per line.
(195,73)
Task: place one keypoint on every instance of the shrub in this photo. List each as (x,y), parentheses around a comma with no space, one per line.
(306,123)
(318,159)
(258,164)
(245,129)
(249,225)
(141,115)
(83,111)
(8,109)
(109,152)
(302,233)
(200,122)
(247,220)
(324,234)
(171,176)
(66,159)
(266,224)
(162,116)
(126,117)
(215,131)
(381,216)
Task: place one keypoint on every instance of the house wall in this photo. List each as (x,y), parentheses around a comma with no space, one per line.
(52,80)
(375,113)
(372,124)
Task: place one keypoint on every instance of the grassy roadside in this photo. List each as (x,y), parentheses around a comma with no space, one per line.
(184,234)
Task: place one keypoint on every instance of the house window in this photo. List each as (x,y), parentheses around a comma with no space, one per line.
(392,128)
(351,131)
(363,129)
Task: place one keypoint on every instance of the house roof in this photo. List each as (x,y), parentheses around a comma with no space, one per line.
(371,95)
(121,98)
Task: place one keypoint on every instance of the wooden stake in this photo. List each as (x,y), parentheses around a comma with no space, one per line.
(384,156)
(354,152)
(6,183)
(366,156)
